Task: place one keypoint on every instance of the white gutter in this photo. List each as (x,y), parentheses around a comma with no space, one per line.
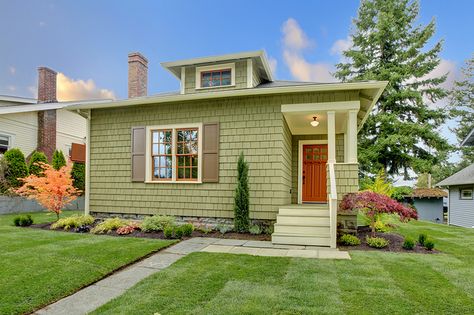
(88,162)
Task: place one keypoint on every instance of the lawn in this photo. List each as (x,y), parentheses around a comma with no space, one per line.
(370,283)
(39,267)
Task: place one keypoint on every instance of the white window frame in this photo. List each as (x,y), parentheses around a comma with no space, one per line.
(148,160)
(463,190)
(11,139)
(221,66)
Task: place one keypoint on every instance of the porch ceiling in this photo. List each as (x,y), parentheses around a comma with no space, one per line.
(299,122)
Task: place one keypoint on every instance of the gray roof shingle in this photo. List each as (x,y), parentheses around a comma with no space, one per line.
(464,176)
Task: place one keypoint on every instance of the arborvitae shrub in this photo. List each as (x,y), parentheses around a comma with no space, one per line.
(78,174)
(241,201)
(16,167)
(35,159)
(58,160)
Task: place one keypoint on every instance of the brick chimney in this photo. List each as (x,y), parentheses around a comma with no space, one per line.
(137,75)
(47,118)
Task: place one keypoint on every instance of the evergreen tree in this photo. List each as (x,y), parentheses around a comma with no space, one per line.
(78,174)
(58,160)
(241,202)
(16,167)
(462,110)
(36,158)
(401,133)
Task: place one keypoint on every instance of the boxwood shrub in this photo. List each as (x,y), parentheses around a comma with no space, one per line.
(349,240)
(377,242)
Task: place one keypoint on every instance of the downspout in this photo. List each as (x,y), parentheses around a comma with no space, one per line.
(88,162)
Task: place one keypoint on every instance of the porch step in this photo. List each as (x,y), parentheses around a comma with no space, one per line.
(303,220)
(312,212)
(301,229)
(301,239)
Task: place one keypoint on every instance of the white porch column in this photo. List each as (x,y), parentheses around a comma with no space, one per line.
(331,136)
(351,136)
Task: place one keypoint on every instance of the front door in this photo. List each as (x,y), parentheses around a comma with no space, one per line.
(315,157)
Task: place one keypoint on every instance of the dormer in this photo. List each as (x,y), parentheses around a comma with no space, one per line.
(226,72)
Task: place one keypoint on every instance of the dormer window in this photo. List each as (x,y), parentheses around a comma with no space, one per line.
(215,76)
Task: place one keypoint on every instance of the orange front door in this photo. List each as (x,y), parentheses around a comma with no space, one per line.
(315,157)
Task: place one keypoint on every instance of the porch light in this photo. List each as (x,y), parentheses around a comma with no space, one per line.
(314,123)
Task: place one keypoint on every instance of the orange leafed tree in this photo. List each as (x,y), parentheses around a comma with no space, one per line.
(53,189)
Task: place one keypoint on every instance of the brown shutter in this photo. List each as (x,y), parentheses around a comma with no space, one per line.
(138,154)
(210,153)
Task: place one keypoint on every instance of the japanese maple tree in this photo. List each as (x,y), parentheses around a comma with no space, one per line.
(373,204)
(53,190)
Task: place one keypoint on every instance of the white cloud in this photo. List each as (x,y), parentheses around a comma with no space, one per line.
(69,89)
(295,41)
(12,70)
(341,45)
(445,67)
(272,62)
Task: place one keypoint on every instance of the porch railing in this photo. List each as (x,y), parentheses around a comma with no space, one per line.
(332,205)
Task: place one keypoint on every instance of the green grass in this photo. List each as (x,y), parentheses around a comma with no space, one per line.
(38,267)
(371,283)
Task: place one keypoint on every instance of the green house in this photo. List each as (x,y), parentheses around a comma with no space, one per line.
(176,153)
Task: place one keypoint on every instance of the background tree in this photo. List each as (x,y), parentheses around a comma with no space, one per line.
(401,133)
(58,160)
(462,110)
(78,174)
(241,202)
(34,166)
(16,167)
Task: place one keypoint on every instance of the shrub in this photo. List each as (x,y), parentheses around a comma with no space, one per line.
(255,229)
(380,226)
(187,229)
(408,243)
(380,185)
(74,221)
(241,200)
(268,229)
(127,229)
(53,190)
(377,242)
(422,238)
(178,232)
(16,167)
(157,223)
(58,160)
(23,220)
(168,232)
(3,182)
(34,165)
(429,244)
(224,228)
(401,192)
(78,174)
(349,240)
(108,225)
(206,229)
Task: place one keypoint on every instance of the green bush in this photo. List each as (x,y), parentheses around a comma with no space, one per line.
(108,225)
(33,166)
(58,160)
(178,232)
(78,174)
(187,229)
(349,240)
(408,243)
(401,192)
(268,229)
(381,227)
(224,228)
(23,220)
(429,244)
(241,200)
(16,167)
(3,181)
(168,232)
(377,242)
(422,238)
(255,229)
(206,229)
(157,223)
(74,221)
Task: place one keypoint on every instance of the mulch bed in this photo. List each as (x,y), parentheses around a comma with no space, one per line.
(160,235)
(395,245)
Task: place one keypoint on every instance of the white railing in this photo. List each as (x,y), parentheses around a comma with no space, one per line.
(332,206)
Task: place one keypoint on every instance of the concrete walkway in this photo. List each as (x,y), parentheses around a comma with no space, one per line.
(101,292)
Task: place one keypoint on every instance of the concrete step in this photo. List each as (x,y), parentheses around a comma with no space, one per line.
(307,206)
(315,212)
(301,229)
(303,220)
(300,239)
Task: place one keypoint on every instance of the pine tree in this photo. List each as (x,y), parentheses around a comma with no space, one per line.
(58,160)
(241,202)
(33,166)
(462,110)
(401,134)
(78,174)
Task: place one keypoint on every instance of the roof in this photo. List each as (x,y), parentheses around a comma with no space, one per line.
(17,99)
(34,107)
(463,177)
(428,193)
(469,140)
(259,56)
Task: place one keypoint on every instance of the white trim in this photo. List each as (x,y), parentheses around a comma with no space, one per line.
(148,170)
(249,73)
(300,164)
(182,80)
(345,147)
(88,162)
(221,66)
(331,115)
(352,136)
(17,99)
(323,106)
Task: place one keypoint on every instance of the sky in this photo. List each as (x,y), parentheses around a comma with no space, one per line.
(87,42)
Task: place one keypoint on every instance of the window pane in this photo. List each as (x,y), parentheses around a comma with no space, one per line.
(195,173)
(155,149)
(181,160)
(194,161)
(180,172)
(193,135)
(187,173)
(181,136)
(216,81)
(155,136)
(226,74)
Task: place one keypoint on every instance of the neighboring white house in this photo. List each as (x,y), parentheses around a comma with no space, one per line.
(461,192)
